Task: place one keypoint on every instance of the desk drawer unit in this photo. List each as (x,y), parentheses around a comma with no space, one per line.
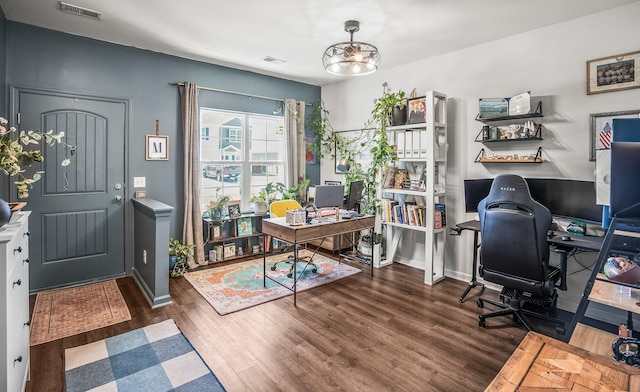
(14,307)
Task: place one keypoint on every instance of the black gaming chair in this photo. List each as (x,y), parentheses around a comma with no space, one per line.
(514,251)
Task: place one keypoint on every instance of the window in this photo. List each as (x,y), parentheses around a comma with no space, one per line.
(240,154)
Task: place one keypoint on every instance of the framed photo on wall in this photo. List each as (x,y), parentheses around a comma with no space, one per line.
(613,73)
(157,148)
(601,129)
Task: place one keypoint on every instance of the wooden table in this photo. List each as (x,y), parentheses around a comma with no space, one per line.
(541,363)
(278,228)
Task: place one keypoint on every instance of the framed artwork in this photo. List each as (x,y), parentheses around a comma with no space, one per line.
(234,209)
(601,129)
(417,108)
(157,148)
(245,226)
(613,73)
(229,250)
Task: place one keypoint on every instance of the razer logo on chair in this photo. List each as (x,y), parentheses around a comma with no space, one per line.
(507,189)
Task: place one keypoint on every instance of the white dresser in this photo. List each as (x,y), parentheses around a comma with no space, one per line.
(14,308)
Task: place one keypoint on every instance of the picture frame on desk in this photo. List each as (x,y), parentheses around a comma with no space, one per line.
(417,110)
(613,73)
(601,129)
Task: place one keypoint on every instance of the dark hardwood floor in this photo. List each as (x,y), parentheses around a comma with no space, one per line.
(387,333)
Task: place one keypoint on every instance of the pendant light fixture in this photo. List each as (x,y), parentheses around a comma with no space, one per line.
(351,58)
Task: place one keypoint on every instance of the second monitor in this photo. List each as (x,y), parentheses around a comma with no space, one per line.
(329,196)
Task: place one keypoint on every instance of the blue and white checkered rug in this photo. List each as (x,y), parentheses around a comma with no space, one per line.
(155,358)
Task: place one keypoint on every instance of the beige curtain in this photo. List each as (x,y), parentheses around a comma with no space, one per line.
(294,124)
(192,225)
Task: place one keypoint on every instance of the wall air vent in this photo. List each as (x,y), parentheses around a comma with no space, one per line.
(77,10)
(274,60)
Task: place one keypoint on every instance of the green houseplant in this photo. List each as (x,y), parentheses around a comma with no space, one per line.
(218,205)
(179,253)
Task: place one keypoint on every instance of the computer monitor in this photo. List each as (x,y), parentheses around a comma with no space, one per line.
(564,198)
(625,182)
(474,191)
(329,196)
(355,194)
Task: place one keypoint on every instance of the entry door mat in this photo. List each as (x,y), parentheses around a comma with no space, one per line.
(239,286)
(155,358)
(61,313)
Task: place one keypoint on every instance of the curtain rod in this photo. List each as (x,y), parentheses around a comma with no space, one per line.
(234,92)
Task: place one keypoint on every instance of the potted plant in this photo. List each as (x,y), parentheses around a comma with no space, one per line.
(179,253)
(218,205)
(259,202)
(392,105)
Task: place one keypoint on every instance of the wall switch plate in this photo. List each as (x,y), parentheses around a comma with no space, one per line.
(139,182)
(140,194)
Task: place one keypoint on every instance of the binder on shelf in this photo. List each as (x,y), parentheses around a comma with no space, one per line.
(423,143)
(400,140)
(408,145)
(416,144)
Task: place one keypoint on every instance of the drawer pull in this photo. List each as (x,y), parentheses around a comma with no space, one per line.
(27,233)
(26,260)
(19,359)
(18,249)
(17,282)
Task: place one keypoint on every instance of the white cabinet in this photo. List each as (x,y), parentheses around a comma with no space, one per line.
(414,216)
(14,308)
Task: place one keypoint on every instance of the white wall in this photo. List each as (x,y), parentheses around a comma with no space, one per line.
(549,62)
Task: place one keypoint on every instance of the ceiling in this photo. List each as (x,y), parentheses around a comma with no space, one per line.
(240,34)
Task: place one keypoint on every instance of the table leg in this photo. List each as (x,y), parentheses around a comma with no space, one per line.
(295,274)
(264,261)
(473,283)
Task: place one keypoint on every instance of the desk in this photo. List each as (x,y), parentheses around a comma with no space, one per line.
(541,363)
(554,238)
(278,228)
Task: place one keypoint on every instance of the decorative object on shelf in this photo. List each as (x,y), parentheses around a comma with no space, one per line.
(484,157)
(351,58)
(229,250)
(493,107)
(15,158)
(520,104)
(239,252)
(613,73)
(601,129)
(417,110)
(244,226)
(157,146)
(399,179)
(259,202)
(216,231)
(234,209)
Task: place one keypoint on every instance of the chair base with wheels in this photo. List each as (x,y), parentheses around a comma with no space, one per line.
(290,260)
(512,304)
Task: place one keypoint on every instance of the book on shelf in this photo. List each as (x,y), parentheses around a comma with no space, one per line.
(440,219)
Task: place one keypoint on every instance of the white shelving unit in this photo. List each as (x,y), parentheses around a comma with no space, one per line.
(430,157)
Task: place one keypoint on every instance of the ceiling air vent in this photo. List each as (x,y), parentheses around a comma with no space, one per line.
(77,10)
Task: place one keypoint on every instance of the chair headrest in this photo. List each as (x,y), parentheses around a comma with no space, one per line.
(511,188)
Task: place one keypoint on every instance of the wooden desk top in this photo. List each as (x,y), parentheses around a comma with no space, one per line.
(541,363)
(278,228)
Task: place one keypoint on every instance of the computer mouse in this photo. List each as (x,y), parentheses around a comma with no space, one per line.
(565,238)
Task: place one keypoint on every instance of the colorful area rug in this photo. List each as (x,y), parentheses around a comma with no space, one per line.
(240,286)
(61,313)
(155,358)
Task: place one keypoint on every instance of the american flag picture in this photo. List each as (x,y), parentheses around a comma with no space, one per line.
(605,137)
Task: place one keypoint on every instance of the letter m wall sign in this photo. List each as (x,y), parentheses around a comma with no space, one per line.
(157,148)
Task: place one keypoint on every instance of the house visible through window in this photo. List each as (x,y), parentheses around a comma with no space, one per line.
(240,153)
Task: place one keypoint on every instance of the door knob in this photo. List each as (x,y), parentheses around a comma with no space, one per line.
(118,198)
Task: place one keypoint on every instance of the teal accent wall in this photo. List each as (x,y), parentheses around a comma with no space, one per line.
(46,59)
